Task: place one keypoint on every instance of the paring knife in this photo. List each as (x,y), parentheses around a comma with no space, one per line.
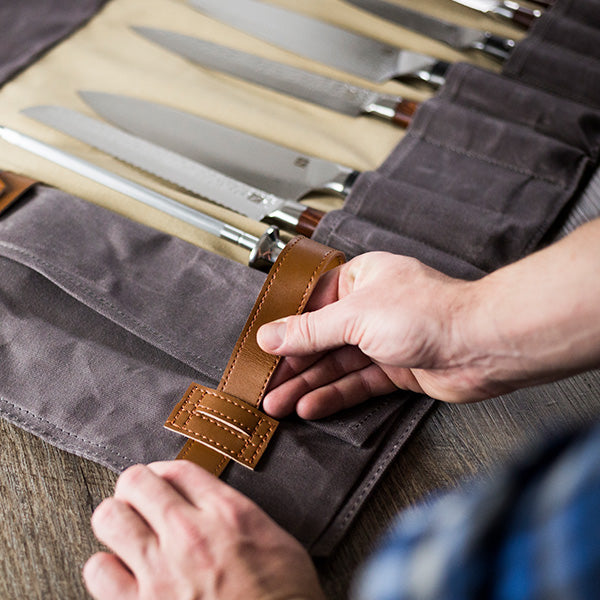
(339,48)
(188,174)
(263,251)
(257,162)
(506,9)
(456,36)
(330,93)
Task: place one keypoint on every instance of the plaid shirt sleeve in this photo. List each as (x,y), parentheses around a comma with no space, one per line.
(532,533)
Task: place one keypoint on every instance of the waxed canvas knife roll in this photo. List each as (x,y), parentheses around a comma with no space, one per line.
(103,324)
(486,170)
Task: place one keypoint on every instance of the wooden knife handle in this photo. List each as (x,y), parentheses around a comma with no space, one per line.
(404,112)
(525,16)
(308,221)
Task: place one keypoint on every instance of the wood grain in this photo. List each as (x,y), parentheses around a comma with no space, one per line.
(47,495)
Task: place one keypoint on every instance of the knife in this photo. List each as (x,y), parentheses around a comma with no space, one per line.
(506,9)
(330,93)
(257,162)
(456,36)
(263,251)
(174,168)
(339,48)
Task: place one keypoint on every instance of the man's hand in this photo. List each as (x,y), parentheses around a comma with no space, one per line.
(382,322)
(178,533)
(378,323)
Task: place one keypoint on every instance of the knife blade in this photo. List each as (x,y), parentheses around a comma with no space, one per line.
(179,170)
(330,93)
(506,9)
(456,36)
(263,251)
(257,162)
(337,47)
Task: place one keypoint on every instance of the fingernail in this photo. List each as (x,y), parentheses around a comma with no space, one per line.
(271,335)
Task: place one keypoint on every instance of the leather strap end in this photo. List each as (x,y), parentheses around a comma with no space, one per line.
(12,187)
(223,423)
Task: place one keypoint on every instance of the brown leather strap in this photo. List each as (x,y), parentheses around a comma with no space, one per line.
(12,187)
(226,423)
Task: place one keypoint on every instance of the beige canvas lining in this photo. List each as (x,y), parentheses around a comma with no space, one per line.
(106,55)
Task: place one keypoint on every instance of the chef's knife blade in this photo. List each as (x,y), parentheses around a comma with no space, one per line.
(183,172)
(337,47)
(257,162)
(330,93)
(506,9)
(456,36)
(263,251)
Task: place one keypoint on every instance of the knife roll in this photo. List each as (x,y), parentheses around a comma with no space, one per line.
(103,322)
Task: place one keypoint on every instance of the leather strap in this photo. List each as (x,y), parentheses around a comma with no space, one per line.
(225,423)
(12,187)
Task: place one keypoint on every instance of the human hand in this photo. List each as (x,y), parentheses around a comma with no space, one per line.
(178,532)
(378,323)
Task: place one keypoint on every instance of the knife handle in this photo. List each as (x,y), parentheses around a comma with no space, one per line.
(525,16)
(497,46)
(403,112)
(308,221)
(544,3)
(518,14)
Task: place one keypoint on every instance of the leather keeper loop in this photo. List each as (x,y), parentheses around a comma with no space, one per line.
(12,187)
(225,423)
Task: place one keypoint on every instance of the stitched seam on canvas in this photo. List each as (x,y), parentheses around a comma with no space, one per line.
(104,302)
(65,431)
(369,484)
(485,159)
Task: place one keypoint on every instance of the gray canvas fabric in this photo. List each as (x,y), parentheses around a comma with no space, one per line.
(30,27)
(104,322)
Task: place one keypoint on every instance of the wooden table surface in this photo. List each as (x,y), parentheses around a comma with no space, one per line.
(47,495)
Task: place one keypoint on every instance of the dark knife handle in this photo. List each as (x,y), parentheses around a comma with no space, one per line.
(308,221)
(544,3)
(517,14)
(525,16)
(497,46)
(403,112)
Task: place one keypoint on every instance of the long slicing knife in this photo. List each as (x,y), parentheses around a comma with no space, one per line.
(339,48)
(175,168)
(263,251)
(506,9)
(456,36)
(263,164)
(337,95)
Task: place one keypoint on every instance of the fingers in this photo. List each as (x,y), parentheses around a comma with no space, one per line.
(300,378)
(348,391)
(122,529)
(154,499)
(324,329)
(340,379)
(107,578)
(191,481)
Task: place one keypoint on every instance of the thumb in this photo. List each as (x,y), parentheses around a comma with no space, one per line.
(307,333)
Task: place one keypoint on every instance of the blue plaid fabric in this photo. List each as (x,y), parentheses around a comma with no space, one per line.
(532,533)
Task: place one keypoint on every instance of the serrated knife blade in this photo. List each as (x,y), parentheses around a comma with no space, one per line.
(257,162)
(263,251)
(333,94)
(351,52)
(456,36)
(253,202)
